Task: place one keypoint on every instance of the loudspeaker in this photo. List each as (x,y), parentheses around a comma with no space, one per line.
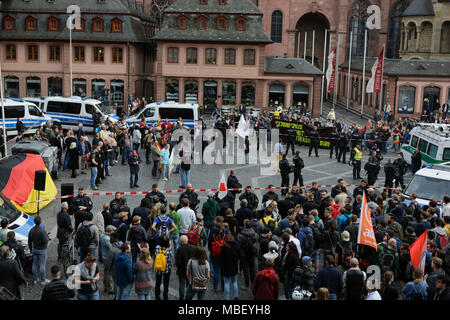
(66,190)
(39,180)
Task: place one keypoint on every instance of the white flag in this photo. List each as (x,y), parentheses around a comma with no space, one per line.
(171,163)
(331,71)
(222,188)
(374,83)
(243,127)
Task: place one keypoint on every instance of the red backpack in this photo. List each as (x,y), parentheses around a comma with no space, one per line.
(193,234)
(216,246)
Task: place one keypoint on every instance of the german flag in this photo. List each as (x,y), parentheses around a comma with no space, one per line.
(17,181)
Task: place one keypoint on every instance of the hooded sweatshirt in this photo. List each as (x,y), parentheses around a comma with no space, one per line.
(124,271)
(266,285)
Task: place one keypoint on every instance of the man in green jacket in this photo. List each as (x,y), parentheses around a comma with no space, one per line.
(209,211)
(175,234)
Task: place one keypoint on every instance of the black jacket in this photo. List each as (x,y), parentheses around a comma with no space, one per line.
(64,222)
(10,276)
(252,200)
(354,285)
(285,168)
(37,238)
(192,197)
(390,171)
(416,160)
(266,196)
(335,190)
(233,183)
(229,259)
(57,290)
(304,278)
(77,201)
(162,197)
(445,295)
(343,141)
(299,164)
(314,134)
(184,253)
(401,166)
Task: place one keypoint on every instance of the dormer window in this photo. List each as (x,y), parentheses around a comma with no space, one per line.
(30,24)
(97,25)
(241,24)
(82,25)
(116,25)
(202,23)
(52,24)
(222,2)
(9,23)
(182,23)
(203,1)
(221,23)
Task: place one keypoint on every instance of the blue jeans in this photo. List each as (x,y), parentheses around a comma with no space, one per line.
(332,296)
(125,154)
(136,178)
(94,171)
(144,296)
(175,239)
(66,161)
(208,224)
(39,257)
(226,282)
(185,175)
(164,170)
(89,296)
(105,165)
(246,158)
(190,294)
(123,293)
(216,272)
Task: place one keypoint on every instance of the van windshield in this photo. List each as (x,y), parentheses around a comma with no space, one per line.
(428,188)
(7,210)
(137,110)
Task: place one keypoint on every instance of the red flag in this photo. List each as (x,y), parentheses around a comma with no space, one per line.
(222,188)
(331,71)
(418,251)
(366,235)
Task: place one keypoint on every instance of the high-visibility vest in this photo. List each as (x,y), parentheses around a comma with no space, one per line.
(358,154)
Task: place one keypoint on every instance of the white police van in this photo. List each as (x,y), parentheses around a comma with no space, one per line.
(170,110)
(69,112)
(32,117)
(433,141)
(39,102)
(430,183)
(19,222)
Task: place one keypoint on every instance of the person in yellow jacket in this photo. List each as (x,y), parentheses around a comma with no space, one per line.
(356,161)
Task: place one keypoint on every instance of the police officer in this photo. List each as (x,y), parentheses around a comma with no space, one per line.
(401,165)
(391,172)
(356,138)
(356,157)
(80,202)
(343,145)
(314,141)
(298,166)
(285,169)
(290,140)
(373,168)
(334,143)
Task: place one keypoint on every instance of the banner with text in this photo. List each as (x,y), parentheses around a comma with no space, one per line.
(302,133)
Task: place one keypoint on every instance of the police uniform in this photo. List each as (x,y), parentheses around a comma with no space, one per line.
(356,157)
(298,166)
(334,143)
(290,141)
(314,142)
(78,201)
(285,169)
(343,145)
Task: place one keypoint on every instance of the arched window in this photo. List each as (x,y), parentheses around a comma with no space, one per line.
(30,24)
(82,25)
(221,23)
(241,24)
(116,25)
(97,25)
(202,23)
(445,38)
(276,29)
(395,19)
(9,23)
(52,24)
(182,22)
(357,24)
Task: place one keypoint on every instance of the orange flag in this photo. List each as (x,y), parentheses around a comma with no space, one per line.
(366,235)
(418,251)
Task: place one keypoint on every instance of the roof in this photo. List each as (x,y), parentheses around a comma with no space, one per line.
(234,9)
(231,6)
(401,67)
(133,19)
(419,8)
(290,66)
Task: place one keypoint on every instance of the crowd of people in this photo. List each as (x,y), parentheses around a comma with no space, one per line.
(299,244)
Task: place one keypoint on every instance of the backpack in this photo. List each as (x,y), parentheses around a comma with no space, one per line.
(83,236)
(216,246)
(163,227)
(344,220)
(271,224)
(247,247)
(347,254)
(308,245)
(160,261)
(417,294)
(193,234)
(409,271)
(387,262)
(440,240)
(87,157)
(417,210)
(318,235)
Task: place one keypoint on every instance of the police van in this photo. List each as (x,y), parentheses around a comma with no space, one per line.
(433,141)
(170,110)
(32,117)
(430,183)
(39,102)
(69,112)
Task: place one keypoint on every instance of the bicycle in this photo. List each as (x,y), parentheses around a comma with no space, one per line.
(68,254)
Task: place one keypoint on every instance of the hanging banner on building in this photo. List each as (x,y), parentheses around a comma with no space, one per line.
(374,83)
(331,71)
(302,132)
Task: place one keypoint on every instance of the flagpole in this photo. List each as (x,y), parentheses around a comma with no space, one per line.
(304,46)
(313,44)
(323,70)
(71,78)
(381,85)
(349,69)
(298,45)
(3,110)
(336,74)
(364,72)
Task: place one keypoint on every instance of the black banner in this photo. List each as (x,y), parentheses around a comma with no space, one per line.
(303,132)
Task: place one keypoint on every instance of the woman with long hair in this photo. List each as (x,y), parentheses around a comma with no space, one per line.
(288,265)
(230,257)
(388,292)
(416,289)
(142,270)
(197,274)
